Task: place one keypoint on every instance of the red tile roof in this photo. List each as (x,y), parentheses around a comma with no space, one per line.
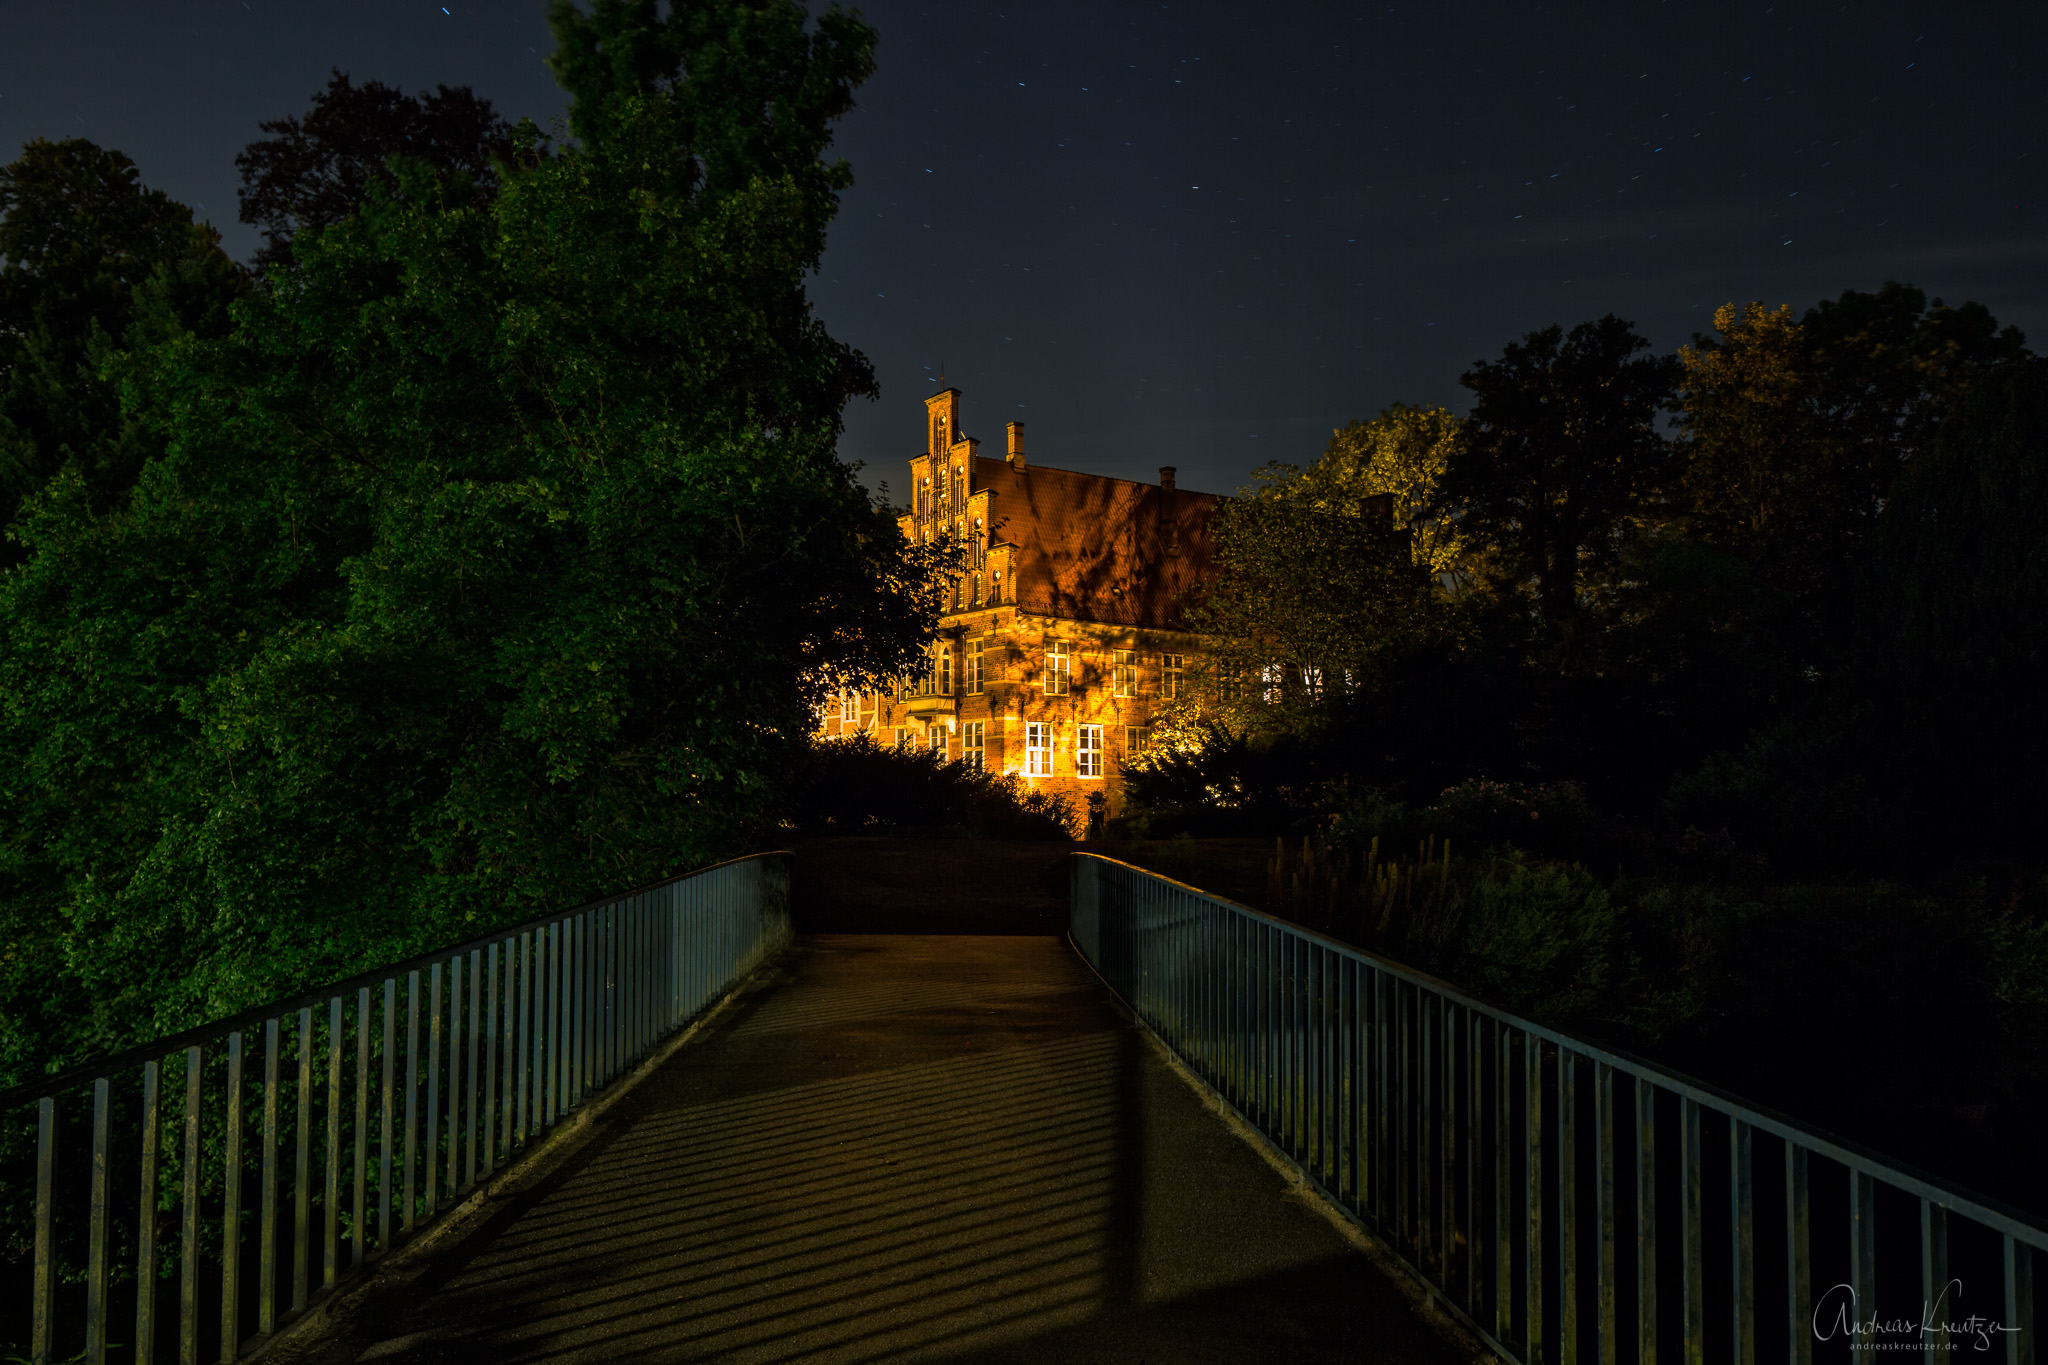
(1094,548)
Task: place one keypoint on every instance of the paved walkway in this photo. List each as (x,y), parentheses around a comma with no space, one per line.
(910,1148)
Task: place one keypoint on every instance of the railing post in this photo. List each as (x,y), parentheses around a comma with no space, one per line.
(1604,1144)
(2019,1303)
(231,1208)
(1646,1221)
(1692,1235)
(1532,1192)
(96,1227)
(1933,1277)
(1798,1255)
(145,1217)
(1862,1257)
(1742,1237)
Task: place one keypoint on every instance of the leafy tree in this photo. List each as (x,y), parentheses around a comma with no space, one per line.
(1400,454)
(1562,456)
(499,557)
(1796,431)
(1306,598)
(93,262)
(317,170)
(1795,435)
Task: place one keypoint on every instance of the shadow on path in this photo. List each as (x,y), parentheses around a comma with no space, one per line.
(932,1148)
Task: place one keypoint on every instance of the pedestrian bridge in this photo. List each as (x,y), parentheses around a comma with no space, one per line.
(669,1126)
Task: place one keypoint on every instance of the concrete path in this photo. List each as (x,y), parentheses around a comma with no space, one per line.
(910,1148)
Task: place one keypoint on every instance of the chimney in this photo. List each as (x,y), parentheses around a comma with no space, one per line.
(1016,452)
(1166,472)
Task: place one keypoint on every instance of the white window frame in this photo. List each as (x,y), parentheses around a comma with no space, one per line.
(1173,678)
(1059,677)
(849,708)
(974,745)
(1037,749)
(936,741)
(1125,675)
(971,678)
(1088,751)
(1137,739)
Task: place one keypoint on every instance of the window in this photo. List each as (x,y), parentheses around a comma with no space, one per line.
(1126,673)
(971,669)
(1174,680)
(995,586)
(1137,739)
(1269,682)
(974,744)
(1037,753)
(849,708)
(942,676)
(938,740)
(1088,751)
(902,738)
(977,590)
(1058,664)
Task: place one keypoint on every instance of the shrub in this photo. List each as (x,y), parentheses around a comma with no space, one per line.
(859,786)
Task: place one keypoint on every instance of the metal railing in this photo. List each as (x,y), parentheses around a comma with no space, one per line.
(1528,1178)
(391,1095)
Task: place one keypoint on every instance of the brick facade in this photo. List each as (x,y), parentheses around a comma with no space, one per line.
(1063,633)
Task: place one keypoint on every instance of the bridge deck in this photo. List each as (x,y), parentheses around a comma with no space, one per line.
(911,1147)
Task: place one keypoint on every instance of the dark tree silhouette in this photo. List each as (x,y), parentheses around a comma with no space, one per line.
(1562,453)
(317,170)
(91,261)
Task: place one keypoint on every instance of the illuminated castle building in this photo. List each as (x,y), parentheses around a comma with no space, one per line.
(1063,632)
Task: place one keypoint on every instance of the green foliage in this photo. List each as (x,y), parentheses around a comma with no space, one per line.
(1399,455)
(1313,588)
(90,262)
(315,171)
(499,557)
(1562,456)
(861,786)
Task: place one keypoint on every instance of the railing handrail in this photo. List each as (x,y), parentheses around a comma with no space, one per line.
(160,1048)
(1986,1209)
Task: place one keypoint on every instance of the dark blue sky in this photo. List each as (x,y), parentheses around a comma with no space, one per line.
(1203,235)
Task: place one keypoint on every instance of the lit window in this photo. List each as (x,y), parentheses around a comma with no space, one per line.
(849,708)
(977,590)
(1037,753)
(938,740)
(1269,682)
(1175,677)
(1126,673)
(1058,665)
(974,744)
(971,669)
(942,676)
(1137,739)
(1088,751)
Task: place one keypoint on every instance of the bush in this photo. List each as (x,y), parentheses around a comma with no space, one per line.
(1549,819)
(859,786)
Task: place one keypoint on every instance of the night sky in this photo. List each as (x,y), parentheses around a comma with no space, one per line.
(1203,235)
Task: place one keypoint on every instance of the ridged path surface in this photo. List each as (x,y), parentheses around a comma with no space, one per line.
(907,1147)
